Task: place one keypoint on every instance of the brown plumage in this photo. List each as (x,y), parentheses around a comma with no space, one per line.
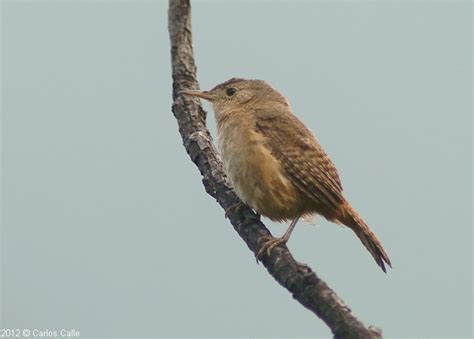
(276,165)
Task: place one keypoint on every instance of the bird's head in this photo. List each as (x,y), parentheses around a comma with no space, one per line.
(239,94)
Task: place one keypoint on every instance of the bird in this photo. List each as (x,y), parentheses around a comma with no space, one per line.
(275,163)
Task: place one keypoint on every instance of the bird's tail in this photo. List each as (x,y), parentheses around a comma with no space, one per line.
(352,219)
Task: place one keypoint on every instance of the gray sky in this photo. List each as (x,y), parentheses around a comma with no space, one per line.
(106,227)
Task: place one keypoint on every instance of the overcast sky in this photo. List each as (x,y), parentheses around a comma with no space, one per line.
(106,227)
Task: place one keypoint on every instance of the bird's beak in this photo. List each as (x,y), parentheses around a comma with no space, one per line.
(200,94)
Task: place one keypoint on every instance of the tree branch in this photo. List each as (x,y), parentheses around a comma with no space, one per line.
(305,285)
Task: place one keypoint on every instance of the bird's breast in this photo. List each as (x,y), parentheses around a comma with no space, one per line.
(257,176)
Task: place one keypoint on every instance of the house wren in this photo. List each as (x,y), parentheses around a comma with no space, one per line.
(276,165)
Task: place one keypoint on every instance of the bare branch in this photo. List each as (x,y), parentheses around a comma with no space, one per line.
(305,285)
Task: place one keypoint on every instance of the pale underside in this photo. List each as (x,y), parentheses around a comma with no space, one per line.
(258,177)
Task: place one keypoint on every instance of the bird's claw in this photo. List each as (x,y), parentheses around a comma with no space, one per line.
(235,207)
(268,245)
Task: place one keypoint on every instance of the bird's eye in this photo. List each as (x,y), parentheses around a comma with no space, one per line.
(230,91)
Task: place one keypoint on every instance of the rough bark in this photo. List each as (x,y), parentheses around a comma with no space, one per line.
(299,280)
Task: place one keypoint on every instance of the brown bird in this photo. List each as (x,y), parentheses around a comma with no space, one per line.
(276,165)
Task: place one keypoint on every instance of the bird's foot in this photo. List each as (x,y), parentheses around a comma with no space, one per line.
(233,208)
(269,243)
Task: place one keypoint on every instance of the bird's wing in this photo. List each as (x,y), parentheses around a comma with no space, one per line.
(302,157)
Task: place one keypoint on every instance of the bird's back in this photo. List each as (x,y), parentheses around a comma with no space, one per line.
(276,165)
(303,160)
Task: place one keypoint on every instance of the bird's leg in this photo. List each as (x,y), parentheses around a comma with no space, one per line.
(270,244)
(235,207)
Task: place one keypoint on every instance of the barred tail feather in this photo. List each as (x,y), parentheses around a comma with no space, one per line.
(351,219)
